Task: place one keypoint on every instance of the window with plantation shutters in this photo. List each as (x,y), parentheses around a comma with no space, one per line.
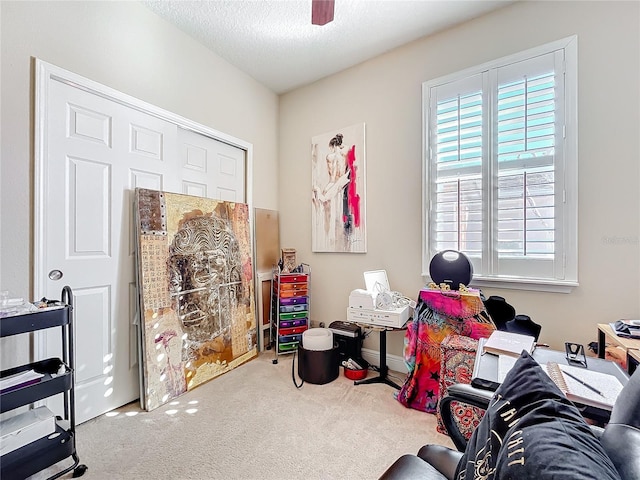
(500,180)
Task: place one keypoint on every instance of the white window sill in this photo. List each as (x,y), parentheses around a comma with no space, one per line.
(524,284)
(519,284)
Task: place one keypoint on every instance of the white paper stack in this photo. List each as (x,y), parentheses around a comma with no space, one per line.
(18,380)
(24,428)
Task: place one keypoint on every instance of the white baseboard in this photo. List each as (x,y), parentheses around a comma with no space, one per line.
(394,362)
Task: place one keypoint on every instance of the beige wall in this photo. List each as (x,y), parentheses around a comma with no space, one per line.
(128,48)
(385,93)
(124,46)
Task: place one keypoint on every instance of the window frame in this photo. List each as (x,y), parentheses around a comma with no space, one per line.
(566,177)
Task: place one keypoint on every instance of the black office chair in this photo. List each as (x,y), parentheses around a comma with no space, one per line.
(504,317)
(464,393)
(620,438)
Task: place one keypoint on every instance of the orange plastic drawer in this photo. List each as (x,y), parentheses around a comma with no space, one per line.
(293,286)
(293,293)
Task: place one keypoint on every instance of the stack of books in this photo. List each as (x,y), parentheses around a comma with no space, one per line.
(507,343)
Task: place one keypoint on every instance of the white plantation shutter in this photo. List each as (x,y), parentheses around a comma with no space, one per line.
(529,121)
(457,169)
(496,168)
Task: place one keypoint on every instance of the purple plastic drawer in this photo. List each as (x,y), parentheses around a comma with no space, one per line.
(293,300)
(298,322)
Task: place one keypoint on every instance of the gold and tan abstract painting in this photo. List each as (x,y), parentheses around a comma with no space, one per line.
(195,276)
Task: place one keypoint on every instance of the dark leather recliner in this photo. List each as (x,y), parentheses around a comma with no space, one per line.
(620,438)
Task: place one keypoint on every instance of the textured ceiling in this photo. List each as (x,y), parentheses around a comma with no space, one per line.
(275,42)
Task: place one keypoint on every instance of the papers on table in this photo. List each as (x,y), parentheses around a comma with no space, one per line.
(584,386)
(505,363)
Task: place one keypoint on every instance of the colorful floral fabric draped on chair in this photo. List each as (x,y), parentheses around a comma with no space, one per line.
(437,315)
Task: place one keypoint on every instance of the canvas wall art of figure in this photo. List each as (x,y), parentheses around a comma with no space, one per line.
(195,275)
(338,191)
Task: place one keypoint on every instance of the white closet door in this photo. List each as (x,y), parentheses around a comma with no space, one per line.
(95,151)
(211,168)
(99,151)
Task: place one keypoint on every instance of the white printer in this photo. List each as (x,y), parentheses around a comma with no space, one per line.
(378,305)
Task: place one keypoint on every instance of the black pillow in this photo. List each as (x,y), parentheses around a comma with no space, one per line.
(531,431)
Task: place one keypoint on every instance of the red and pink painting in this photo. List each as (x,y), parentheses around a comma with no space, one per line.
(338,191)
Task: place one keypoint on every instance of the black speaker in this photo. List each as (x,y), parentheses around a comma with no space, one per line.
(451,267)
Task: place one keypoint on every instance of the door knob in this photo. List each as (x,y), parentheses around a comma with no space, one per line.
(55,275)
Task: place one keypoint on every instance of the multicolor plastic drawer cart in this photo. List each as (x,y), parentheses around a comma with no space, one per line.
(289,309)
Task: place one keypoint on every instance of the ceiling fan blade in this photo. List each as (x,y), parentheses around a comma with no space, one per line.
(322,11)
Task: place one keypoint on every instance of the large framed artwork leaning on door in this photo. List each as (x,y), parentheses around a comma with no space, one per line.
(195,278)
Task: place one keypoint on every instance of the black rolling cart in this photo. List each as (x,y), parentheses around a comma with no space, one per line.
(58,379)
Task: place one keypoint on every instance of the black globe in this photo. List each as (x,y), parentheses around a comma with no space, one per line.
(451,267)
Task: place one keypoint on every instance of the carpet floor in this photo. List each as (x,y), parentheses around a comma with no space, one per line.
(252,423)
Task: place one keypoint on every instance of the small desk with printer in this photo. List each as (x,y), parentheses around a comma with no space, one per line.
(378,305)
(379,309)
